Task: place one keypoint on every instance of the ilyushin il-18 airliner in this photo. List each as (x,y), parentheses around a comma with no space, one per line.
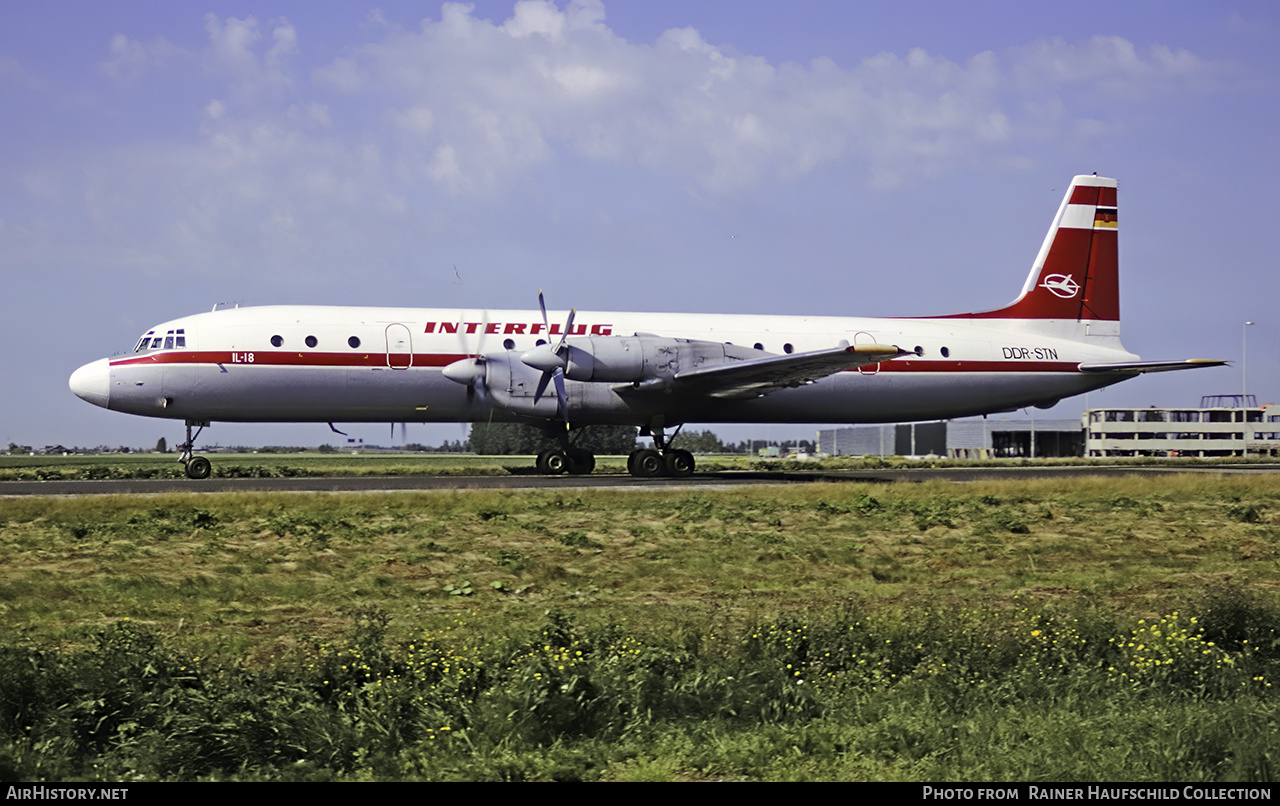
(657,371)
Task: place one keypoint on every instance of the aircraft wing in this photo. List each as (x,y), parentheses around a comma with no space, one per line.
(1139,367)
(760,376)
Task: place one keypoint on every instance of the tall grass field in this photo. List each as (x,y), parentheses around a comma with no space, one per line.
(1080,630)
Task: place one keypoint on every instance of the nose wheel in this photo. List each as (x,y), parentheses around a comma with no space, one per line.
(197,467)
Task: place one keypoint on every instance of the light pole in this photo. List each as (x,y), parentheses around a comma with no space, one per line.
(1244,364)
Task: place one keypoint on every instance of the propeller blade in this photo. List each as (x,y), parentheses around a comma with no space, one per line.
(471,370)
(553,362)
(542,386)
(568,328)
(561,395)
(484,328)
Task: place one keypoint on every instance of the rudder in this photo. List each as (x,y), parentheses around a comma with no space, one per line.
(1076,275)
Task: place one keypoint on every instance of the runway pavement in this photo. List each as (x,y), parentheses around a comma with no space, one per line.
(409,483)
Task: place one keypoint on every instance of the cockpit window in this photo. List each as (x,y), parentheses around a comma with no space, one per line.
(170,340)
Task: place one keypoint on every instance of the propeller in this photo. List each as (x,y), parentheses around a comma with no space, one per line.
(552,360)
(471,371)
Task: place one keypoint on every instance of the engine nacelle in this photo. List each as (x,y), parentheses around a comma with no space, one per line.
(509,380)
(633,359)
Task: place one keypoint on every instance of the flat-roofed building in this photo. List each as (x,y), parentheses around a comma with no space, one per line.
(1206,431)
(968,438)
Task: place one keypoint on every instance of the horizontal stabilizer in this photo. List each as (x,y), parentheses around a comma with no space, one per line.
(759,376)
(1139,367)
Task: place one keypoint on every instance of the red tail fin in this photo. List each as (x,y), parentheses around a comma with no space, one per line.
(1076,275)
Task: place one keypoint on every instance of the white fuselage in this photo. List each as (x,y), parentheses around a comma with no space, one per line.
(347,364)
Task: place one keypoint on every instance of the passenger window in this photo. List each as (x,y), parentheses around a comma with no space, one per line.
(354,342)
(311,341)
(276,341)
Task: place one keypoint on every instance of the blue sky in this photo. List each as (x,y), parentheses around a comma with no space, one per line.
(835,158)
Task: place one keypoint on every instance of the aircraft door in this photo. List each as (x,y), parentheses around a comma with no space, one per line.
(399,346)
(863,337)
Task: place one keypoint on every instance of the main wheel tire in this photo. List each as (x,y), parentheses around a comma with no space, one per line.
(646,463)
(581,462)
(679,463)
(198,467)
(552,462)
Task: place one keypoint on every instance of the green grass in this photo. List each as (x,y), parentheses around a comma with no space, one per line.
(130,466)
(1032,630)
(151,465)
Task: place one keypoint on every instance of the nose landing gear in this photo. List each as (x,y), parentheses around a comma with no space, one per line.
(197,467)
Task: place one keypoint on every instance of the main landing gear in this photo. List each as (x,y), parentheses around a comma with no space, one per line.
(648,463)
(574,461)
(197,467)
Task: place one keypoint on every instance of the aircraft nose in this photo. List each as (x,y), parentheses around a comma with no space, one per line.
(92,382)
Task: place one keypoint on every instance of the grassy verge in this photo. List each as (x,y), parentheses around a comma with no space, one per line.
(256,465)
(1115,629)
(267,465)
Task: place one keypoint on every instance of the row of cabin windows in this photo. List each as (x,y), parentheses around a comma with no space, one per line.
(177,338)
(170,340)
(311,341)
(509,344)
(789,348)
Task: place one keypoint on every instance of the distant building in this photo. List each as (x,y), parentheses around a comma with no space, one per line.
(1223,425)
(969,438)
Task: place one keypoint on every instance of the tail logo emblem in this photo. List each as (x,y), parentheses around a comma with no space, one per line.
(1061,285)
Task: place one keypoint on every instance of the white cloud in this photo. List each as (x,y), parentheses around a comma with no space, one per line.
(465,107)
(1110,64)
(13,74)
(233,53)
(128,58)
(131,58)
(503,96)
